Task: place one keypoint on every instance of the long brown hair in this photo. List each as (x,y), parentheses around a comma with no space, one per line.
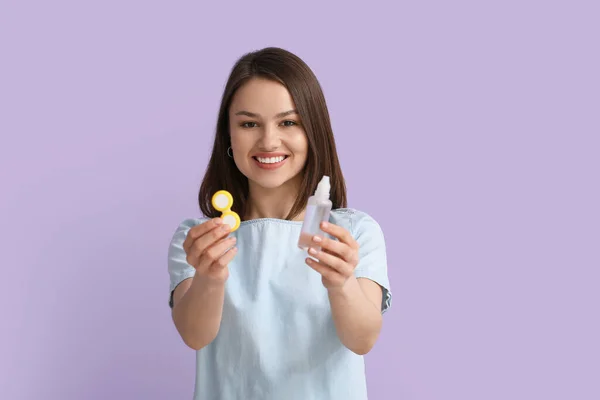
(288,69)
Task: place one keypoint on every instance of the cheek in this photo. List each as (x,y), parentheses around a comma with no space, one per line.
(300,145)
(239,142)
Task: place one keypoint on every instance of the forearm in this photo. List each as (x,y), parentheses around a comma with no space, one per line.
(357,320)
(197,315)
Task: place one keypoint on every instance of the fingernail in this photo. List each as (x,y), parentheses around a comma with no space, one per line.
(324,224)
(317,239)
(312,251)
(218,221)
(225,227)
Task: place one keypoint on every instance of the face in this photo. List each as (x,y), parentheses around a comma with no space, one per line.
(268,141)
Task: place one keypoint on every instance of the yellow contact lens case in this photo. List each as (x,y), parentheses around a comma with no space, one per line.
(222,201)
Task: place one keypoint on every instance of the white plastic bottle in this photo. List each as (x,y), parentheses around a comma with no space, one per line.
(317,211)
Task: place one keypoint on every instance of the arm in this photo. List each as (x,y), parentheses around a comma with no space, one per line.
(355,302)
(197,309)
(198,301)
(355,309)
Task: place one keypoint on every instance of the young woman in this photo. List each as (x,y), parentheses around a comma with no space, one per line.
(268,321)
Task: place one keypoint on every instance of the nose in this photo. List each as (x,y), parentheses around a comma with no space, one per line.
(269,139)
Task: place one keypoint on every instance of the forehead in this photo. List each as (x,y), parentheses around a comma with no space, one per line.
(262,96)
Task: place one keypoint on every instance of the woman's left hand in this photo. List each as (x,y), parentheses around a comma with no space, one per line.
(337,258)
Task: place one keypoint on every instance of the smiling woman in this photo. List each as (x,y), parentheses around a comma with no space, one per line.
(282,325)
(272,100)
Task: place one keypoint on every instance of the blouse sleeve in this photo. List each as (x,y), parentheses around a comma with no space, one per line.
(179,269)
(372,254)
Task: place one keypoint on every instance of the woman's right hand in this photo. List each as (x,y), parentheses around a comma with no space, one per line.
(206,247)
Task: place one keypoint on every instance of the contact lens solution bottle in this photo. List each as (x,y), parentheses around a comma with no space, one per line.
(318,209)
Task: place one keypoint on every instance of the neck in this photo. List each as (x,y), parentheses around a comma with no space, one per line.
(273,203)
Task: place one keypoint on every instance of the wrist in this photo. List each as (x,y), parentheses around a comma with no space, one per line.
(208,284)
(345,290)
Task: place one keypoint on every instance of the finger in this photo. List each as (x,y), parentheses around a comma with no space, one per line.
(337,231)
(209,238)
(320,268)
(204,243)
(214,252)
(331,261)
(200,230)
(335,247)
(225,259)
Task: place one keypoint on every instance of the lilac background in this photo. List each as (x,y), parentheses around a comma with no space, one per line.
(478,122)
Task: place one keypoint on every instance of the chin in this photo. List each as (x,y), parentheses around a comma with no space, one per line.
(272,179)
(270,182)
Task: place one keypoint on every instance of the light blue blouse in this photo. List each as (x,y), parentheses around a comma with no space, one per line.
(277,339)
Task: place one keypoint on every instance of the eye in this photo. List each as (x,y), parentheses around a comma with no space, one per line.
(249,125)
(289,123)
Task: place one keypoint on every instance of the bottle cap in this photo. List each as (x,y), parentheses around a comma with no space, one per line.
(323,188)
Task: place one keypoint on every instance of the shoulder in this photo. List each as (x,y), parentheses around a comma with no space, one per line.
(184,227)
(357,222)
(189,223)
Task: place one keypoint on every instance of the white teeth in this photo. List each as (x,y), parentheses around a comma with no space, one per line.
(270,160)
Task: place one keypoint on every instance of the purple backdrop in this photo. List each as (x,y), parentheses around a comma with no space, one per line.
(478,123)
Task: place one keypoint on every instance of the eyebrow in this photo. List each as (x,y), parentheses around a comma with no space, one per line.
(254,115)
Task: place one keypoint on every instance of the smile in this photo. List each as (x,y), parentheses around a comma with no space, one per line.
(270,162)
